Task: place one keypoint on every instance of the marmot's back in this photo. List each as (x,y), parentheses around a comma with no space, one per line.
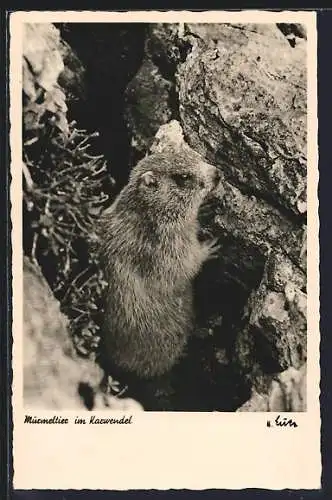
(150,254)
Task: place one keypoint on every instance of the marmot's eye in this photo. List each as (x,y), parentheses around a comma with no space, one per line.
(181,179)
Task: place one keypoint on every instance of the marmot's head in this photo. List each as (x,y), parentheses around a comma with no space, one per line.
(173,183)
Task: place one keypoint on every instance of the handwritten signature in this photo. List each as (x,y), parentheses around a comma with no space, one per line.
(282,422)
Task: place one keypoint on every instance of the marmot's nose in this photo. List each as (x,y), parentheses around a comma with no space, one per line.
(216,177)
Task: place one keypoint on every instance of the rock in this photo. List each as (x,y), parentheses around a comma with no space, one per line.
(147,105)
(293,32)
(254,227)
(287,392)
(42,57)
(167,45)
(54,376)
(42,65)
(243,107)
(169,135)
(275,335)
(73,76)
(151,99)
(218,33)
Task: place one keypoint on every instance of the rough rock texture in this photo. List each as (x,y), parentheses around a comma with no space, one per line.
(294,33)
(275,335)
(287,392)
(42,65)
(72,78)
(54,376)
(243,107)
(167,46)
(150,97)
(147,105)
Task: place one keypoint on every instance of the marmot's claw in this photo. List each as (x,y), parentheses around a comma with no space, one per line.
(213,248)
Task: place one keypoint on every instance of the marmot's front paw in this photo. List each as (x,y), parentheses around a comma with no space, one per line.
(212,248)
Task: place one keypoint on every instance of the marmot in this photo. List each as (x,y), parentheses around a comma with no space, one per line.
(150,254)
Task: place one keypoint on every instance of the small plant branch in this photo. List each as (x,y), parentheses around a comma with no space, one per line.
(27,177)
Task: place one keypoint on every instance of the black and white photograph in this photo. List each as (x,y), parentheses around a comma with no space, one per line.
(164,197)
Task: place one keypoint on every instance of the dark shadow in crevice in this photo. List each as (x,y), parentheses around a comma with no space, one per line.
(112,54)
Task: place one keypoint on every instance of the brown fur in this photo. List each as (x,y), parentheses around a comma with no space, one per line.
(150,254)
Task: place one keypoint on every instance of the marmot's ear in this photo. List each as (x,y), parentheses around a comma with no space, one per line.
(148,179)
